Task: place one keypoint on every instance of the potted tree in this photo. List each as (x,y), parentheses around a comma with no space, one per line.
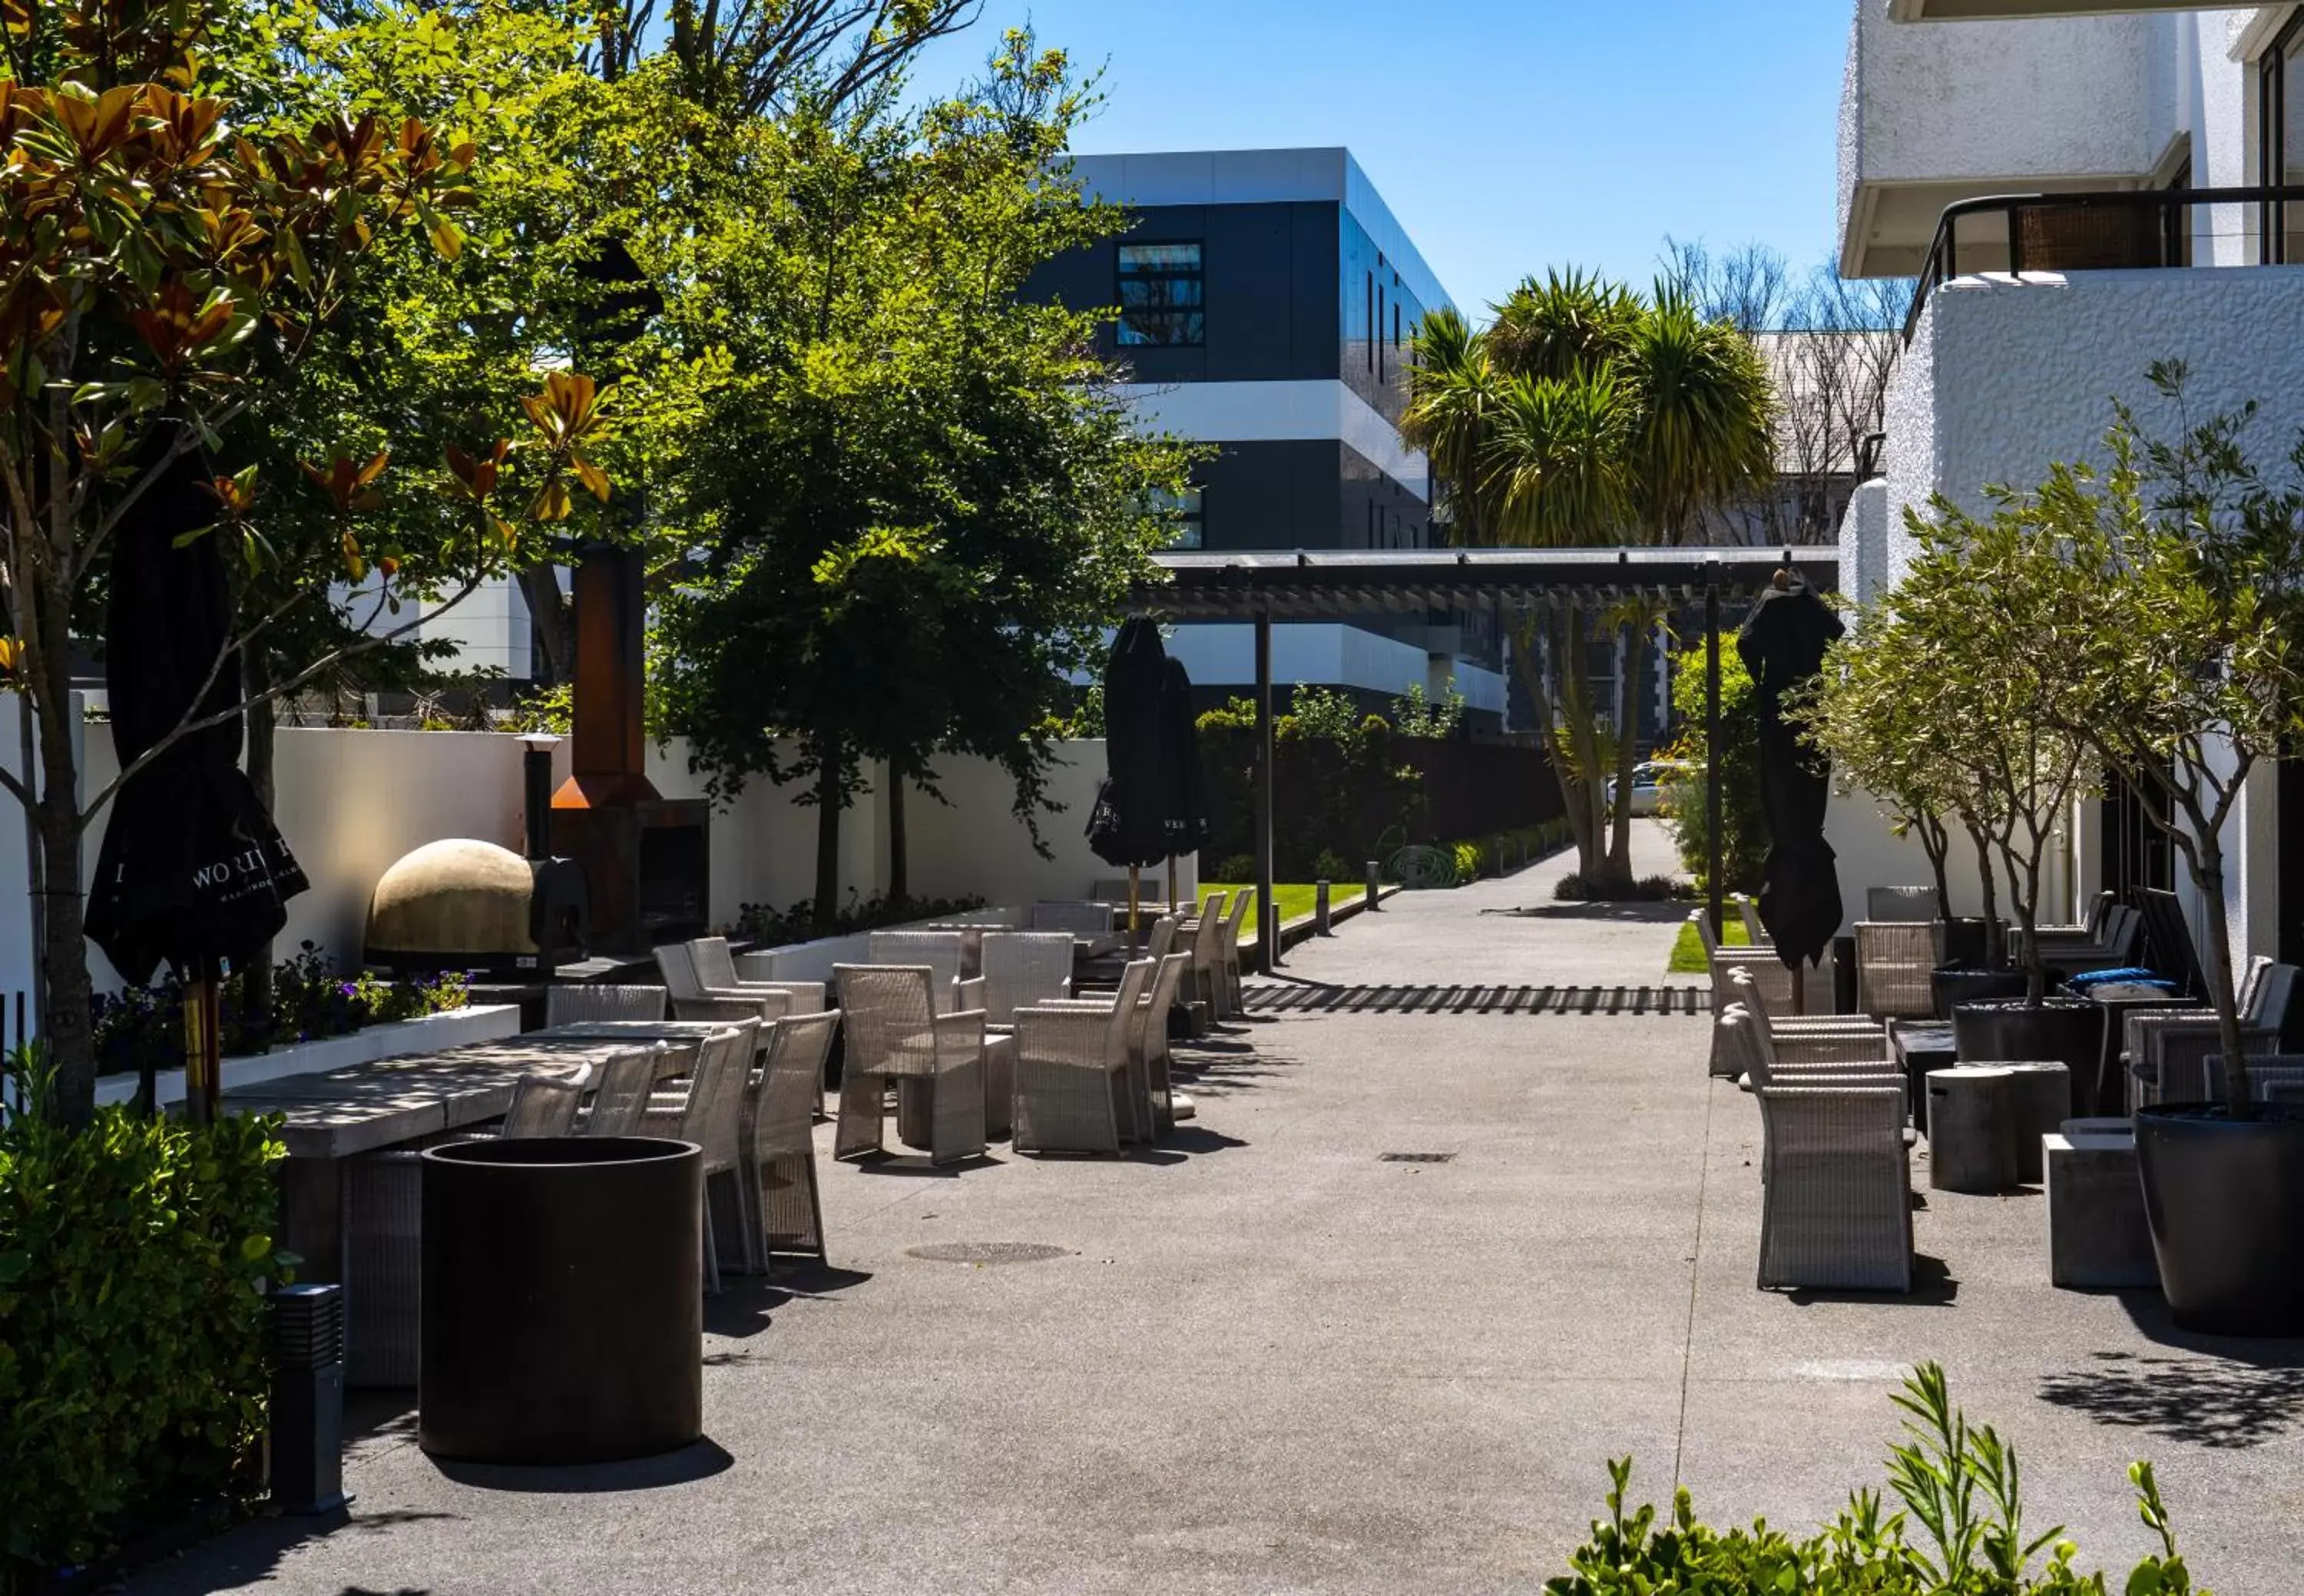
(2179,592)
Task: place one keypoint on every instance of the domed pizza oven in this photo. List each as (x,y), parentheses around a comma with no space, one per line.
(466,905)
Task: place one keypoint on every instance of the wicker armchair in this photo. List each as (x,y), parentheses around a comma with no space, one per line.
(1890,903)
(685,982)
(937,1063)
(1895,960)
(543,1106)
(1077,919)
(2168,1051)
(1775,982)
(784,1211)
(1837,1206)
(1206,942)
(715,967)
(1072,1092)
(575,1003)
(1232,1000)
(2115,946)
(710,1113)
(620,1096)
(2272,1078)
(1747,908)
(1148,1043)
(943,952)
(1023,968)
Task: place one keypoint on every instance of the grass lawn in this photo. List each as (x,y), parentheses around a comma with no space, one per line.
(1687,952)
(1295,900)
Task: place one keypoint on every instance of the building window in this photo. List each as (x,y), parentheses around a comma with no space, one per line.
(1369,323)
(1395,324)
(2279,146)
(1162,296)
(1190,514)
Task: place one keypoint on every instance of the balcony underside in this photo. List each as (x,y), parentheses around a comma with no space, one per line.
(1972,10)
(1894,224)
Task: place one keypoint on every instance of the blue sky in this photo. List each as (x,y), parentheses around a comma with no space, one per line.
(1507,135)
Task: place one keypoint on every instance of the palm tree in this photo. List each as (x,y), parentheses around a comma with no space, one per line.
(1452,396)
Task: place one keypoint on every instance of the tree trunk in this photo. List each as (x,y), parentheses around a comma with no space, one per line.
(1936,844)
(1581,731)
(65,1023)
(1642,626)
(263,738)
(1548,732)
(900,886)
(1996,950)
(2208,878)
(547,613)
(829,798)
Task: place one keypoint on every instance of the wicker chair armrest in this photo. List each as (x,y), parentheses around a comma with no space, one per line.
(1832,1048)
(959,1035)
(808,996)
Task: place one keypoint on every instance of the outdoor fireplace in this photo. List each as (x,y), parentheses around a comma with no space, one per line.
(646,858)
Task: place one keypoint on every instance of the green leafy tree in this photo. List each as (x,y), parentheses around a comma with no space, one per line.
(170,276)
(1743,824)
(915,500)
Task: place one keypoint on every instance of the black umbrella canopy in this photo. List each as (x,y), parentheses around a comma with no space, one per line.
(1186,805)
(192,871)
(1130,826)
(1782,644)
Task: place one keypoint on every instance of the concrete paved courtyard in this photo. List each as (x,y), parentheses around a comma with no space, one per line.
(1263,1359)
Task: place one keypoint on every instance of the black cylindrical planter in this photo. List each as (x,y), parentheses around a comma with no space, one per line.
(2069,1031)
(1962,942)
(564,1316)
(1955,984)
(2225,1201)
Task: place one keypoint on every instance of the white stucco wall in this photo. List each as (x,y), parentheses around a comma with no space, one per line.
(1996,105)
(1864,542)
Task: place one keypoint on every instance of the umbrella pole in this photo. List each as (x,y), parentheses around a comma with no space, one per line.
(1135,898)
(203,1051)
(1799,987)
(1172,883)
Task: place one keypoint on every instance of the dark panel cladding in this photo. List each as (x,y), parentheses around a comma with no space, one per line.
(1269,275)
(1313,493)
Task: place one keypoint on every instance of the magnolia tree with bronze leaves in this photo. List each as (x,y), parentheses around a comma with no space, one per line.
(159,269)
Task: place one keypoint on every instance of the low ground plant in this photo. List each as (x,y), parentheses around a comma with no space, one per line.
(1958,1531)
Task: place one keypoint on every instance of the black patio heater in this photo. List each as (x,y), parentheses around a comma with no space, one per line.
(1782,644)
(192,872)
(1129,827)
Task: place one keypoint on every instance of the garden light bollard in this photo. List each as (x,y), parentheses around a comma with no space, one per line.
(1320,924)
(308,1398)
(1374,898)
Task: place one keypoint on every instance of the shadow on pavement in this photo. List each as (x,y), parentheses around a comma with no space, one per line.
(1933,1286)
(684,1467)
(2241,1396)
(247,1553)
(1661,913)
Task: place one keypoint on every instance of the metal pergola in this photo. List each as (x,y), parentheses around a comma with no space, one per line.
(1336,585)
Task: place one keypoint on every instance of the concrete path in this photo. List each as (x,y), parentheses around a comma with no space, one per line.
(1263,1359)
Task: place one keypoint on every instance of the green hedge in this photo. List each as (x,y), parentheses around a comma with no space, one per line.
(132,1360)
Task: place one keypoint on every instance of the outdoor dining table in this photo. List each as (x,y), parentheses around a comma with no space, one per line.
(329,1118)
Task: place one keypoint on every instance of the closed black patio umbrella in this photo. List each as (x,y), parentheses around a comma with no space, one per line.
(192,872)
(1186,805)
(1782,644)
(1130,826)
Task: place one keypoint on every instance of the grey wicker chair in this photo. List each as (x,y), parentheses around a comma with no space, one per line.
(720,1009)
(685,982)
(1148,1043)
(1837,1206)
(1080,919)
(1023,968)
(1073,1092)
(784,1210)
(1230,988)
(574,1002)
(1884,904)
(1775,982)
(2168,1050)
(937,1063)
(1747,908)
(710,1113)
(620,1094)
(2272,1078)
(943,952)
(543,1106)
(1206,943)
(1895,960)
(716,968)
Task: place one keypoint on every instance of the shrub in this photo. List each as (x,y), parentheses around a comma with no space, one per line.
(1331,867)
(310,1000)
(1470,860)
(1958,1484)
(1744,825)
(1576,888)
(1236,867)
(778,928)
(132,1364)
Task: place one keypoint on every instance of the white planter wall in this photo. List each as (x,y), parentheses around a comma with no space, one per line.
(401,1038)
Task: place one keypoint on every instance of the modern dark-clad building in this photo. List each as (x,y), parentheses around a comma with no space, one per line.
(1267,300)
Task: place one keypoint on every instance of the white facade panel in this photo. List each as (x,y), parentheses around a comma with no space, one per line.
(1241,412)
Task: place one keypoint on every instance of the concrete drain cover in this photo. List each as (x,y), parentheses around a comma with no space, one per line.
(1415,1158)
(988,1252)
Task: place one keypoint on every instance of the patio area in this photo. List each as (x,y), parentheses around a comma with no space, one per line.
(1264,1358)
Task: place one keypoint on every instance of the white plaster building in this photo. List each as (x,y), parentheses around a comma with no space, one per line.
(2033,317)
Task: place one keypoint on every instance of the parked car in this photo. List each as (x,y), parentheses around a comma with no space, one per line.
(1648,779)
